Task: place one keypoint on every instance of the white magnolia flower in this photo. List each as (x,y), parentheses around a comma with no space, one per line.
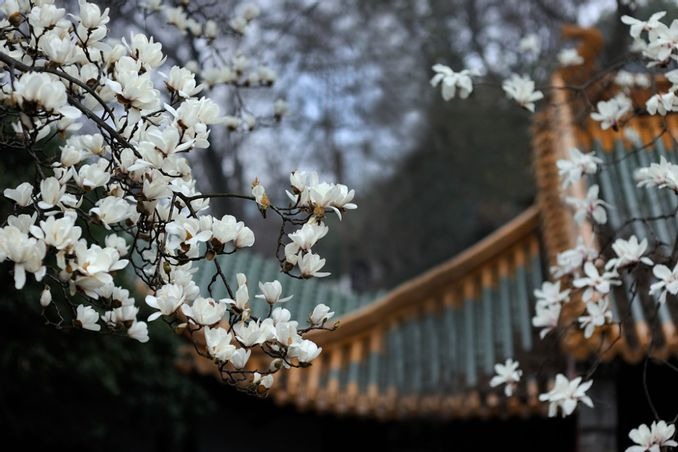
(52,192)
(310,265)
(661,103)
(111,210)
(87,318)
(628,252)
(668,281)
(194,112)
(653,438)
(452,81)
(159,145)
(598,315)
(91,16)
(58,49)
(45,297)
(662,175)
(286,332)
(22,222)
(121,295)
(226,229)
(219,343)
(521,89)
(138,331)
(292,253)
(117,243)
(271,291)
(661,45)
(305,351)
(591,206)
(508,374)
(260,196)
(205,311)
(45,15)
(336,197)
(530,44)
(570,261)
(570,170)
(239,357)
(612,111)
(182,81)
(321,314)
(566,394)
(144,50)
(122,314)
(638,26)
(595,282)
(570,57)
(266,381)
(211,29)
(546,317)
(550,294)
(280,108)
(249,11)
(45,91)
(254,333)
(62,234)
(242,296)
(300,182)
(22,194)
(306,237)
(281,315)
(131,88)
(92,176)
(238,24)
(26,252)
(94,266)
(628,79)
(175,16)
(71,156)
(244,238)
(188,231)
(166,300)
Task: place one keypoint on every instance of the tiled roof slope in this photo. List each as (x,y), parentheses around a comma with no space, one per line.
(429,346)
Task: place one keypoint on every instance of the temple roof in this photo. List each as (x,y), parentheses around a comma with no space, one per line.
(428,346)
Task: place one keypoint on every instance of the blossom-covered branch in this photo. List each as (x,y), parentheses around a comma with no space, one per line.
(109,134)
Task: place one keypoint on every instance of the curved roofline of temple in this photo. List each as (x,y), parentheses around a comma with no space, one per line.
(434,280)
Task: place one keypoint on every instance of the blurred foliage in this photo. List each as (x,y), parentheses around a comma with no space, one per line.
(88,390)
(470,173)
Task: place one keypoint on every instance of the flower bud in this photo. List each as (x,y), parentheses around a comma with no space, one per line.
(275,365)
(45,297)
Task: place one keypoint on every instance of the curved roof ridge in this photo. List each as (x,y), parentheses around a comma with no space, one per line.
(467,262)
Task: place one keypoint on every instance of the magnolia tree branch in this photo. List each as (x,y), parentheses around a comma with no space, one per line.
(123,196)
(632,252)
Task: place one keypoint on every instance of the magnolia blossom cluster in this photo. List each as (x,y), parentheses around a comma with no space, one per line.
(596,264)
(656,42)
(119,193)
(216,69)
(652,438)
(564,395)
